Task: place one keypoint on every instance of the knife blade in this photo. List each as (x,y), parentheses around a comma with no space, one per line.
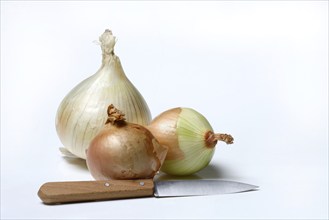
(82,191)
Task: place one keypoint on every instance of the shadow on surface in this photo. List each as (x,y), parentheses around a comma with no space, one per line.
(76,162)
(209,172)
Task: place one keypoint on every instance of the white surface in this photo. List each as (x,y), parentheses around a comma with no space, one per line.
(257,70)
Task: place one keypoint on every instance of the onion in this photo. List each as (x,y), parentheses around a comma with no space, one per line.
(80,115)
(123,150)
(190,140)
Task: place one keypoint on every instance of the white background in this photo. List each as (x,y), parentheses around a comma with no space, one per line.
(257,70)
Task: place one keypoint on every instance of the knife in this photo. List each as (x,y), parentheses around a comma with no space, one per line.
(82,191)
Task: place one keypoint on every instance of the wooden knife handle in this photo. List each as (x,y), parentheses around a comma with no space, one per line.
(80,191)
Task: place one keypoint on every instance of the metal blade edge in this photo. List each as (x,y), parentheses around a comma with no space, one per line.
(177,188)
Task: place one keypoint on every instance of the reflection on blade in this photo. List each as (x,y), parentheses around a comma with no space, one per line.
(199,187)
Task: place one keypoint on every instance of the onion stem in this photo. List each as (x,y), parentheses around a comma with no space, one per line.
(212,138)
(114,115)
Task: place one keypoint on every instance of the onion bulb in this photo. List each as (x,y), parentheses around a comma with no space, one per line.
(123,150)
(80,115)
(190,140)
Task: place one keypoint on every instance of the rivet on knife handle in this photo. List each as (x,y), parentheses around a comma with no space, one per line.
(81,191)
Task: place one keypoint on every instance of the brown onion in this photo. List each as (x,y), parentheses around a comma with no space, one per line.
(123,150)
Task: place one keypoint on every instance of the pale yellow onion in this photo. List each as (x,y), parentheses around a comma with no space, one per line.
(82,113)
(190,140)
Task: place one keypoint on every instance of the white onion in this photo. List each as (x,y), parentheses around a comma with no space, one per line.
(82,113)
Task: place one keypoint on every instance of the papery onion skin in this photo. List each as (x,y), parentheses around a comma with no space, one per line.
(124,151)
(81,114)
(190,140)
